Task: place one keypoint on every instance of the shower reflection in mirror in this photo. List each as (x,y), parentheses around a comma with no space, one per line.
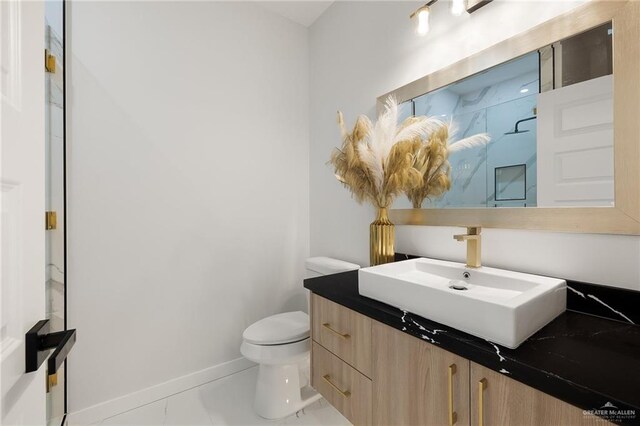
(550,117)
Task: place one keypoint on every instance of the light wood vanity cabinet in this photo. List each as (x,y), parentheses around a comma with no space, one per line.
(341,358)
(415,383)
(377,375)
(342,385)
(343,332)
(505,401)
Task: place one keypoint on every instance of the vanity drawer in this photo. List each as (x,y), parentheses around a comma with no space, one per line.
(348,390)
(342,331)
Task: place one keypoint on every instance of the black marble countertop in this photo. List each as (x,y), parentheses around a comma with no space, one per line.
(584,360)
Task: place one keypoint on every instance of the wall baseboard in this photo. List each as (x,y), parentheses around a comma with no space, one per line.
(119,405)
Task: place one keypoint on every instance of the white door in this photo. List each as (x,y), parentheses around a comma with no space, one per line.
(575,145)
(22,233)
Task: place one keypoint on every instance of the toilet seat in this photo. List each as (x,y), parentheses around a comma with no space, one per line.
(290,353)
(279,329)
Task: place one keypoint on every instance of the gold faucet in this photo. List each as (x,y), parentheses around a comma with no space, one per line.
(472,237)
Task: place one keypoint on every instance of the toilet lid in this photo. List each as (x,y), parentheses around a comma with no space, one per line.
(278,329)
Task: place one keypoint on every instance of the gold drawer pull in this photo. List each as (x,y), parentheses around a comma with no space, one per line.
(482,385)
(345,394)
(340,335)
(453,416)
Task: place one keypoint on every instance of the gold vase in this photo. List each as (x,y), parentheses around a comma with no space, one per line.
(381,239)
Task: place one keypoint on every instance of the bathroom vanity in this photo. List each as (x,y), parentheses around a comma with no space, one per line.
(380,365)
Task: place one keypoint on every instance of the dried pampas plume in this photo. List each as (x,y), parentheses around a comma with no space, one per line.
(380,161)
(433,167)
(431,160)
(349,168)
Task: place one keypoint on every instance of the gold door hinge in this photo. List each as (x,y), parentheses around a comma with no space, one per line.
(52,380)
(49,61)
(50,221)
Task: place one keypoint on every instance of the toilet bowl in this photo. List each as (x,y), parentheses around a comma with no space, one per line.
(281,345)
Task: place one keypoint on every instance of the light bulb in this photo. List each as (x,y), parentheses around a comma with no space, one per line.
(457,7)
(423,20)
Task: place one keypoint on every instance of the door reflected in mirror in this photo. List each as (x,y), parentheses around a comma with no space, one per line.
(549,114)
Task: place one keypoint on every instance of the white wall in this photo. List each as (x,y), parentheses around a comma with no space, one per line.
(360,50)
(188,186)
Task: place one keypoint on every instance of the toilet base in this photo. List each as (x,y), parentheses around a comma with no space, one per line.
(282,390)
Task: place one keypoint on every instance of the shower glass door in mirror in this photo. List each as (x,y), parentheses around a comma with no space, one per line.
(54,192)
(549,115)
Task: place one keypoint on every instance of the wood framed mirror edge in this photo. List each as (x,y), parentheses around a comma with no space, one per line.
(624,217)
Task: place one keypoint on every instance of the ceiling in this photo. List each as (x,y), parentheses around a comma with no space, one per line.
(304,12)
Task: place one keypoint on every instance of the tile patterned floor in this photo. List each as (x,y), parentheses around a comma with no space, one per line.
(227,401)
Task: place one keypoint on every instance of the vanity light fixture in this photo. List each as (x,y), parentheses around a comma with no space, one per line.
(457,7)
(422,14)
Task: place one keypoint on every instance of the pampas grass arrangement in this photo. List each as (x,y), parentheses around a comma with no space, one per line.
(378,162)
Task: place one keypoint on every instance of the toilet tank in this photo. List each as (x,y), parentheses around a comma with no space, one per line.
(317,266)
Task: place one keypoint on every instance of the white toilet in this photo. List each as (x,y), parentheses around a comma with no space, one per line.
(281,344)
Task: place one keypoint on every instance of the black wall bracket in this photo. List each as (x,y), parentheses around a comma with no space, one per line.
(38,341)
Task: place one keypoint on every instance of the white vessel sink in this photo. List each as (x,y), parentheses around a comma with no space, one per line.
(500,306)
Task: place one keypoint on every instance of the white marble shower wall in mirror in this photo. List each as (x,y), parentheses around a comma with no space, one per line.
(549,115)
